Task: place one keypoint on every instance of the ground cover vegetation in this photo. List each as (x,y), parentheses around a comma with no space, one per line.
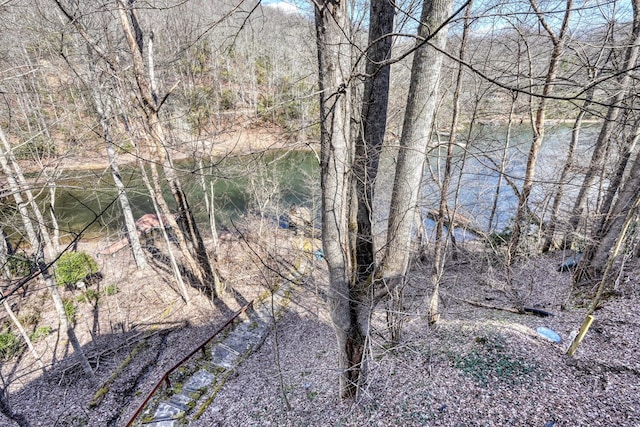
(459,173)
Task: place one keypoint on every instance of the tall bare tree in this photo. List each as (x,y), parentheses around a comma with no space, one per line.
(350,320)
(415,140)
(443,208)
(151,103)
(40,243)
(373,124)
(614,110)
(538,126)
(103,110)
(351,273)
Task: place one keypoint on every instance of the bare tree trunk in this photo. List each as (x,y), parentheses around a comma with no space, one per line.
(538,125)
(350,319)
(52,213)
(616,221)
(505,154)
(568,165)
(416,134)
(14,176)
(371,134)
(593,72)
(443,209)
(4,253)
(23,332)
(209,203)
(598,155)
(172,259)
(129,220)
(616,245)
(101,103)
(123,199)
(373,122)
(198,262)
(616,181)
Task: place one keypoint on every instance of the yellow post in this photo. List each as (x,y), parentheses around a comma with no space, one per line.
(583,331)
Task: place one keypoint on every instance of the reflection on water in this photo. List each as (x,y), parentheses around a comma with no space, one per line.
(269,183)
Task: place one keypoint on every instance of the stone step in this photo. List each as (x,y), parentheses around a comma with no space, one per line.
(167,423)
(223,357)
(167,413)
(257,328)
(180,401)
(198,381)
(245,338)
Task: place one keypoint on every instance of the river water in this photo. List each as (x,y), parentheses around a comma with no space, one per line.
(269,183)
(272,182)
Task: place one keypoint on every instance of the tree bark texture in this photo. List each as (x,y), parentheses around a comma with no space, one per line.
(415,139)
(349,317)
(373,124)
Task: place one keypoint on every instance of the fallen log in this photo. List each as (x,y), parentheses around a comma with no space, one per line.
(524,310)
(458,221)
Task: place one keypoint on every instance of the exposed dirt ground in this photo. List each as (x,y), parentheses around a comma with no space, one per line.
(478,366)
(242,136)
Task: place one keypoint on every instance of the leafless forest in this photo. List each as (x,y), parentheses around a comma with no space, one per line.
(442,178)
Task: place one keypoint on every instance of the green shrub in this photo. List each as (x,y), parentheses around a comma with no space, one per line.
(41,331)
(69,309)
(110,290)
(29,319)
(501,238)
(10,345)
(88,295)
(19,265)
(73,267)
(227,99)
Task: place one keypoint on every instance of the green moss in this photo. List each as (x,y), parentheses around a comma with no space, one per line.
(69,309)
(147,418)
(97,398)
(214,393)
(110,290)
(89,296)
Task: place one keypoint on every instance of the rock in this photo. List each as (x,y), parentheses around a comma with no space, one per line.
(570,263)
(549,334)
